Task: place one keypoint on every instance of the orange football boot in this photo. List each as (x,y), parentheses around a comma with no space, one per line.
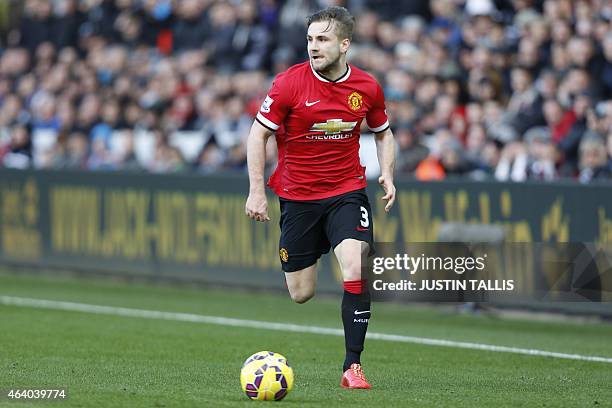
(354,378)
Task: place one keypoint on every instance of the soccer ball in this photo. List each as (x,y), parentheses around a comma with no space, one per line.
(266,376)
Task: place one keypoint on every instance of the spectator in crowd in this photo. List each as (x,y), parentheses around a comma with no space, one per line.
(453,159)
(210,159)
(524,108)
(411,152)
(76,153)
(593,162)
(568,146)
(191,28)
(37,24)
(168,159)
(16,152)
(251,39)
(606,71)
(126,158)
(535,160)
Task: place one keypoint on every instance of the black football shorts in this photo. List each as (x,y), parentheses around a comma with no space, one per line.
(310,228)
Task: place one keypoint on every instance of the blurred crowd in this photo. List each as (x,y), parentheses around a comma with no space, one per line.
(483,89)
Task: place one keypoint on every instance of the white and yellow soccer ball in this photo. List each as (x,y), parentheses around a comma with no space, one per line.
(266,376)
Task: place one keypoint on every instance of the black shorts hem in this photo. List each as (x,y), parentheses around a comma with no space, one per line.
(370,243)
(298,266)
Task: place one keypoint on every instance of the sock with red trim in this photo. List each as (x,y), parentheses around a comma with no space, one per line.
(355,317)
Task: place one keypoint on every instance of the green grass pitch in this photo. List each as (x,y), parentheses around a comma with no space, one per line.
(114,361)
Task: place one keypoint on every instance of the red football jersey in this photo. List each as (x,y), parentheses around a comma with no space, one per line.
(317,123)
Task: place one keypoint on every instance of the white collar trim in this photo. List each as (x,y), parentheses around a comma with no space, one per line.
(344,77)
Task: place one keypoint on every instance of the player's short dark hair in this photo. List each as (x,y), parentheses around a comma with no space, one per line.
(344,21)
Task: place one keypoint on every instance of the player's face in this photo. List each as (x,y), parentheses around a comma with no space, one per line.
(324,46)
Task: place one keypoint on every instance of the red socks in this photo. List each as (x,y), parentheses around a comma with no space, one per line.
(356,287)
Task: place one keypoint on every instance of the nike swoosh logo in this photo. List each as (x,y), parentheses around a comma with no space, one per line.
(357,312)
(312,103)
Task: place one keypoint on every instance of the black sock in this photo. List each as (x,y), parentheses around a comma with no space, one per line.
(355,317)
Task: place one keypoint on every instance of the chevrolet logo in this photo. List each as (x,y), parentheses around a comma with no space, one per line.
(333,126)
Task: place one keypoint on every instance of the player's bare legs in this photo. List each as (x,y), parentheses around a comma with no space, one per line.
(355,310)
(302,283)
(349,253)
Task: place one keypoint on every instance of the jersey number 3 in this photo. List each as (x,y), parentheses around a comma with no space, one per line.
(365,221)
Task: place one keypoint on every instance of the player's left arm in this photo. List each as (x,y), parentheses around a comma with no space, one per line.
(378,122)
(385,149)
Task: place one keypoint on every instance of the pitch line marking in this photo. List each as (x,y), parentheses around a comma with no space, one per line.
(295,328)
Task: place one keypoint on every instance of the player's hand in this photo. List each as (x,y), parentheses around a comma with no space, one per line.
(256,207)
(389,187)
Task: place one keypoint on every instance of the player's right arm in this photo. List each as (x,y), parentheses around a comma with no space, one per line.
(257,203)
(268,120)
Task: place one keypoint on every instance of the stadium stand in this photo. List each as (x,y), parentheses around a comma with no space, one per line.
(481,89)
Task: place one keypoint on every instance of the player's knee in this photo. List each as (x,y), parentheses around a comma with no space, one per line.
(301,296)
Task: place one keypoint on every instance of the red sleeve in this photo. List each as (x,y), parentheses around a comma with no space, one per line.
(376,118)
(277,103)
